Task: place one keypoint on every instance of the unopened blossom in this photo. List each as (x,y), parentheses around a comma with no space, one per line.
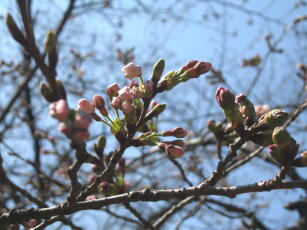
(125,93)
(176,132)
(59,110)
(98,103)
(172,151)
(66,128)
(179,143)
(85,105)
(132,70)
(225,98)
(82,119)
(112,90)
(127,107)
(135,91)
(133,83)
(116,102)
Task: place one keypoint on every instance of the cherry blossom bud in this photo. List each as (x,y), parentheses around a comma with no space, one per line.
(85,105)
(189,65)
(132,70)
(112,90)
(125,93)
(59,110)
(246,108)
(283,156)
(99,103)
(225,98)
(133,83)
(198,69)
(82,119)
(116,102)
(135,91)
(179,143)
(172,151)
(176,132)
(270,120)
(127,107)
(65,128)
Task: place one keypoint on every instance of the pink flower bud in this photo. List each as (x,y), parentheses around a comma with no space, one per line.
(179,143)
(82,119)
(125,93)
(135,91)
(85,105)
(176,132)
(112,90)
(116,103)
(132,70)
(127,107)
(225,98)
(98,102)
(174,151)
(133,83)
(189,65)
(59,110)
(65,128)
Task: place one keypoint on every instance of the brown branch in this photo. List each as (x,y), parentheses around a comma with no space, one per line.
(17,216)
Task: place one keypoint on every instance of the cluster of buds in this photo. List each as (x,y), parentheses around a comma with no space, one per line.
(253,61)
(174,149)
(284,149)
(73,123)
(226,100)
(193,69)
(116,183)
(263,129)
